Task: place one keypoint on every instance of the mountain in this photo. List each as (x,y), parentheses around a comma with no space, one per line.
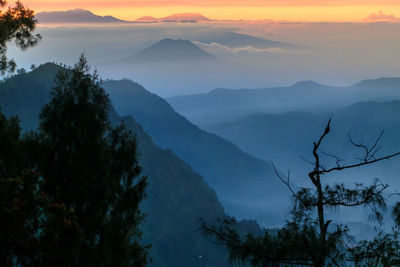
(283,138)
(246,186)
(186,16)
(176,196)
(147,18)
(169,50)
(234,40)
(176,17)
(222,105)
(74,16)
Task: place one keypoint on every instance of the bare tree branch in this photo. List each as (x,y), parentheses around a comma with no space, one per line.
(285,181)
(369,151)
(306,160)
(359,164)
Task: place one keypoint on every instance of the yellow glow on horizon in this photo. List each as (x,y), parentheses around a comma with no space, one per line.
(304,13)
(291,10)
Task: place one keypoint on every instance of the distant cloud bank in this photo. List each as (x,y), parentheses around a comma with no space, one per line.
(216,47)
(381,17)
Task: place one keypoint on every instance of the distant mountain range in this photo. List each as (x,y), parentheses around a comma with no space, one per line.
(246,186)
(86,16)
(227,38)
(221,105)
(176,17)
(177,197)
(284,137)
(74,16)
(169,50)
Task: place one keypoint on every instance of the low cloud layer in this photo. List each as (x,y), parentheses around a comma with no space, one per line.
(382,17)
(219,48)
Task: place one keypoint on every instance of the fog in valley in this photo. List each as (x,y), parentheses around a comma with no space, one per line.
(307,69)
(337,54)
(227,113)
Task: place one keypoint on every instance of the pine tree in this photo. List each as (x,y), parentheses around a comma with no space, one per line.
(17,24)
(92,169)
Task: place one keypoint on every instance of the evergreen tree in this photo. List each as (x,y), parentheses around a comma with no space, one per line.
(18,198)
(17,24)
(28,217)
(92,169)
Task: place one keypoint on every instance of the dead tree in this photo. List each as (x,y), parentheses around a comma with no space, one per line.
(307,240)
(324,196)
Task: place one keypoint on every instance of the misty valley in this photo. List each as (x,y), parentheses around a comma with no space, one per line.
(182,140)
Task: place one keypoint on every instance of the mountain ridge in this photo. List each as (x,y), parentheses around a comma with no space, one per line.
(176,196)
(79,15)
(170,50)
(74,16)
(231,103)
(176,17)
(240,180)
(290,134)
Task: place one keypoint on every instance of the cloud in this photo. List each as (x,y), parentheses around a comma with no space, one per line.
(219,48)
(381,16)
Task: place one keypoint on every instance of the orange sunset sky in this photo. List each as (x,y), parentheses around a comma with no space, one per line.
(296,10)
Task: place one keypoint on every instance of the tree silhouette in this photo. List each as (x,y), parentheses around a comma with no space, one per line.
(28,216)
(92,168)
(17,24)
(70,193)
(308,239)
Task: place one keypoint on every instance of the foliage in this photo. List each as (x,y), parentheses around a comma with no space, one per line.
(309,239)
(28,230)
(383,250)
(17,24)
(11,153)
(93,169)
(83,208)
(20,212)
(173,187)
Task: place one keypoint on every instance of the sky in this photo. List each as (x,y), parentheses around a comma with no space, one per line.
(293,10)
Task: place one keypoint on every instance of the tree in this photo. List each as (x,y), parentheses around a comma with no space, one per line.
(17,24)
(308,239)
(383,250)
(21,71)
(92,169)
(27,214)
(11,153)
(18,198)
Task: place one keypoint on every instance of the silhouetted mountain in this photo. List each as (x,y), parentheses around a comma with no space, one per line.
(147,18)
(386,83)
(283,138)
(169,50)
(74,16)
(177,17)
(186,16)
(222,105)
(245,185)
(177,197)
(234,39)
